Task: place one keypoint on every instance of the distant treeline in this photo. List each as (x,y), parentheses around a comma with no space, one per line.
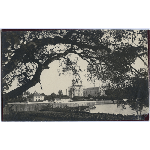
(53,96)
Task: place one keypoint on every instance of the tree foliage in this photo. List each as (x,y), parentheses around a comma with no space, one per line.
(109,53)
(60,93)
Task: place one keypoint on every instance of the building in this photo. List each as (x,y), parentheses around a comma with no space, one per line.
(94,91)
(35,97)
(57,100)
(76,90)
(38,97)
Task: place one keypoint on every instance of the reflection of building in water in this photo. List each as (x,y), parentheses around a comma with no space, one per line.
(75,90)
(94,91)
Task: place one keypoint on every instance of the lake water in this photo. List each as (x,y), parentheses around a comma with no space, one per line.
(113,109)
(102,107)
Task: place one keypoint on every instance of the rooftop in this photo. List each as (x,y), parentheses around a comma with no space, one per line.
(75,85)
(91,88)
(37,94)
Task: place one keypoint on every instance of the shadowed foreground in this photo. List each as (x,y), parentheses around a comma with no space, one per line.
(67,116)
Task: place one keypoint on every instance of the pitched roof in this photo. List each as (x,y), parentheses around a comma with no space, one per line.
(36,94)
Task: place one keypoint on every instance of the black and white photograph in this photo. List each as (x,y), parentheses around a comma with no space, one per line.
(74,75)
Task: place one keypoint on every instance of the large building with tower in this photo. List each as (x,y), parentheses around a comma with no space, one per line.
(76,90)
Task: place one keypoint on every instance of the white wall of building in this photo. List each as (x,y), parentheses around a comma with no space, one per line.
(38,98)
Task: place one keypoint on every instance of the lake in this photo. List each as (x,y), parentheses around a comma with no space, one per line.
(113,109)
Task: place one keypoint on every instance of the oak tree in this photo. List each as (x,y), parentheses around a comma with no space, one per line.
(109,53)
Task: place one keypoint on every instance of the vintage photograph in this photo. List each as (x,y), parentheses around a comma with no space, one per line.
(74,75)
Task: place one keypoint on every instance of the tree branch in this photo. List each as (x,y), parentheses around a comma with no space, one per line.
(37,44)
(143,61)
(23,88)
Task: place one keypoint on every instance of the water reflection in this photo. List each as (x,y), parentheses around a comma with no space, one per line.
(114,109)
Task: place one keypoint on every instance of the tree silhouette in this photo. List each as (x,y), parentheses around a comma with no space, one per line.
(109,53)
(60,93)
